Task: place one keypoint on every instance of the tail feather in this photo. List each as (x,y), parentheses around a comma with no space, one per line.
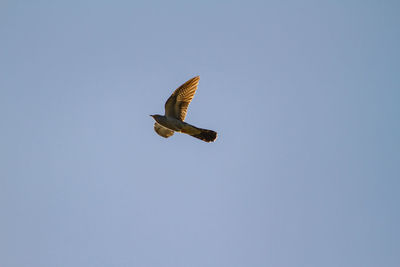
(206,135)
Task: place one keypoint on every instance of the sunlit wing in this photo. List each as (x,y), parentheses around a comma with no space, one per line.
(161,130)
(177,104)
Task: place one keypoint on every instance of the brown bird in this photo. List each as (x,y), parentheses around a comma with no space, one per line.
(175,113)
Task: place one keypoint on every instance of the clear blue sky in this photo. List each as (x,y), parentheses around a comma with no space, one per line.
(304,95)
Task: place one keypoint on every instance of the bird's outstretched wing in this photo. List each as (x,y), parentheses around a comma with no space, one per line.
(161,130)
(177,104)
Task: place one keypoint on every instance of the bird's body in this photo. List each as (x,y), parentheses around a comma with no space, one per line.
(175,113)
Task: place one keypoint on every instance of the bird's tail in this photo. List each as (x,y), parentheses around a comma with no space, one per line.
(206,135)
(202,134)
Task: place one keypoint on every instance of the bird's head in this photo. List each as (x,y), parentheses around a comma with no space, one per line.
(156,117)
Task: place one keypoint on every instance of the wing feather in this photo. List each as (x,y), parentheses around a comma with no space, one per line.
(162,131)
(178,103)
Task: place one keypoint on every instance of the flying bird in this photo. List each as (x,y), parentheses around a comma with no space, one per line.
(175,113)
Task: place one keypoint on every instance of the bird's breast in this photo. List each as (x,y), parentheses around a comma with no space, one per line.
(172,123)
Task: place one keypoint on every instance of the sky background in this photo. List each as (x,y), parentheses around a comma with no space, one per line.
(303,94)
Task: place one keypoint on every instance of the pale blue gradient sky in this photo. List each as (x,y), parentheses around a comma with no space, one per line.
(304,94)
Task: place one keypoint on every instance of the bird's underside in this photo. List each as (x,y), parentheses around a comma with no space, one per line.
(175,113)
(183,127)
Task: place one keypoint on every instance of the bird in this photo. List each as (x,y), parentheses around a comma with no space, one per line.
(175,113)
